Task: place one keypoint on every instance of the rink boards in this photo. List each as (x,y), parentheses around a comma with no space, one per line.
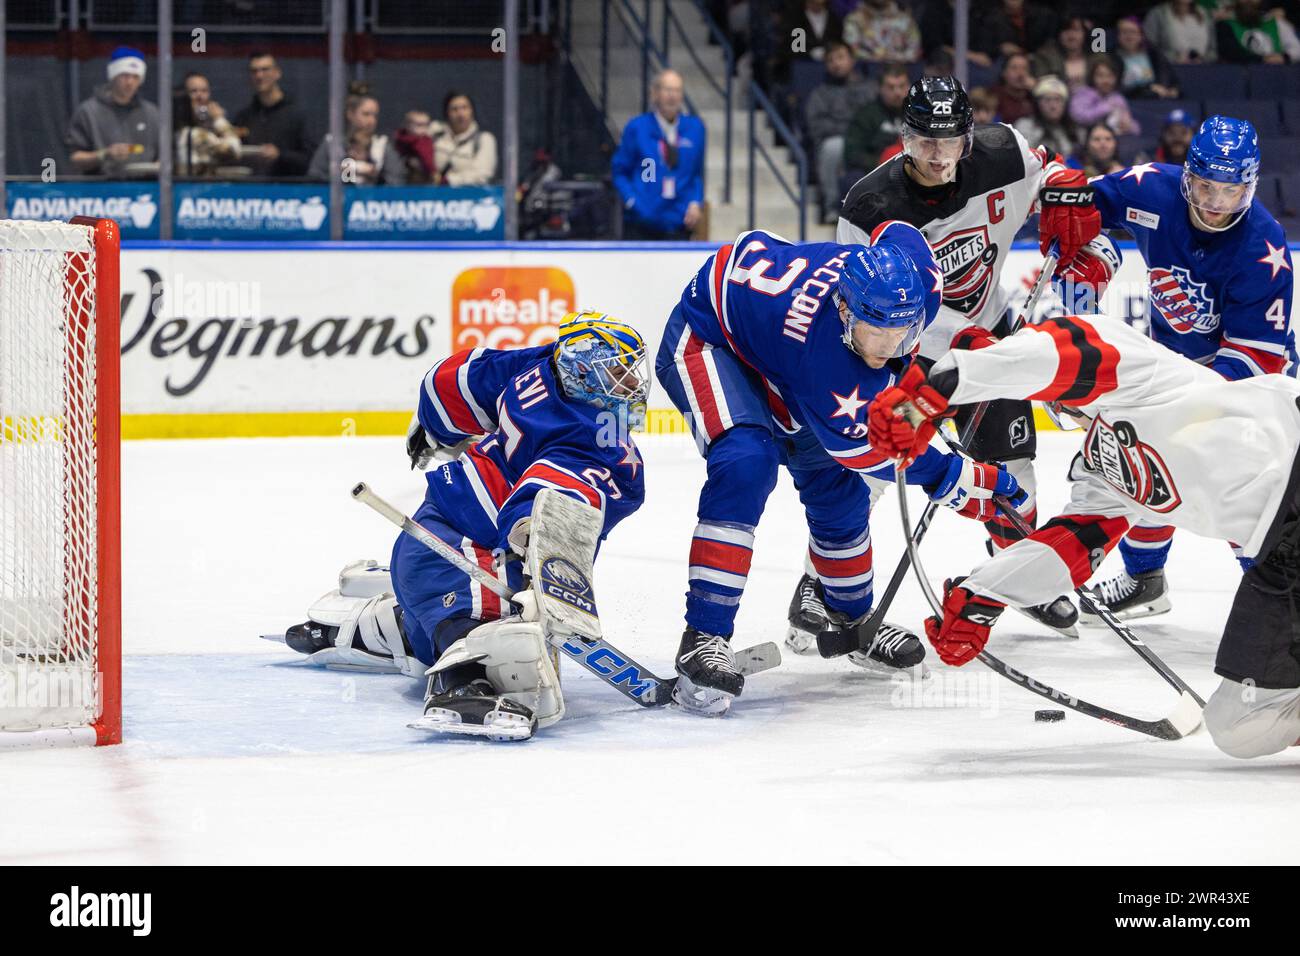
(332,339)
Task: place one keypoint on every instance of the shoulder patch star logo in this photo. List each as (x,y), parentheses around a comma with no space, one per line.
(1140,170)
(630,457)
(938,281)
(1276,259)
(849,405)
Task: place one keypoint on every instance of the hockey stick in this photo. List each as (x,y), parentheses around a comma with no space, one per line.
(1092,606)
(1184,719)
(863,637)
(603,659)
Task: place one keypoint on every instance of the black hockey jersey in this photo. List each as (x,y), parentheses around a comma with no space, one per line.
(969,224)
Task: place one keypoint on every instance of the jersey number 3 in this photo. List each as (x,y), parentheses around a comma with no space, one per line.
(756,277)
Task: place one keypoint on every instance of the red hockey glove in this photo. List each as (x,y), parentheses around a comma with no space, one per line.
(972,338)
(888,428)
(1068,214)
(964,630)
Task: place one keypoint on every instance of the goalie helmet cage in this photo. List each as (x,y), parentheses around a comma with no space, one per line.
(60,431)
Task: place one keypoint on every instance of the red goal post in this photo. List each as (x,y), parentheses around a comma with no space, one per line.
(60,516)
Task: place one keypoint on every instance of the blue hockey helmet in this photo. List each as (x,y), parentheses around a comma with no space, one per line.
(602,362)
(883,288)
(1221,171)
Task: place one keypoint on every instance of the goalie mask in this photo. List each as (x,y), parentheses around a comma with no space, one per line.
(602,362)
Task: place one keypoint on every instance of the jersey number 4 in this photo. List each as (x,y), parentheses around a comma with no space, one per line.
(1276,315)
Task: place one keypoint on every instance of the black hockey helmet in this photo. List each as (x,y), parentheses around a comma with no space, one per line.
(938,107)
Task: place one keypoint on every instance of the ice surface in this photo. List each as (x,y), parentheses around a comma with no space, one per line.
(236,753)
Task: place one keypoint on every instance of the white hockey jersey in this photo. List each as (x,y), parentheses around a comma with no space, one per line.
(1170,442)
(970,224)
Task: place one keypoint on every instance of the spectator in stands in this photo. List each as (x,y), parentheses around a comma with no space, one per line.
(1175,137)
(878,124)
(808,30)
(414,143)
(1100,152)
(1067,55)
(937,34)
(1050,126)
(117,126)
(464,154)
(274,122)
(205,138)
(1101,101)
(1146,73)
(658,166)
(369,159)
(880,31)
(984,105)
(1015,89)
(1250,37)
(1014,27)
(1182,31)
(938,63)
(827,113)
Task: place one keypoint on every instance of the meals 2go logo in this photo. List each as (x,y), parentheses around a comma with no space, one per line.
(124,910)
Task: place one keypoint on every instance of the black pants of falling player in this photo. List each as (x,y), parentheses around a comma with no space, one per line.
(1256,709)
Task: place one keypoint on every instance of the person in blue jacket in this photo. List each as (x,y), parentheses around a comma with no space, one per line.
(658,168)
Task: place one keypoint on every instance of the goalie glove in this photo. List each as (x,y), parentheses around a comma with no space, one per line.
(420,444)
(893,425)
(422,448)
(968,488)
(1068,214)
(967,620)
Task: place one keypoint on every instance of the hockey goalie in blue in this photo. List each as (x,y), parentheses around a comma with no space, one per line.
(773,354)
(499,426)
(1220,286)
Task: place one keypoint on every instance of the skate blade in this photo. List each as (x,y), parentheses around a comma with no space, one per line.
(496,726)
(701,701)
(800,641)
(1070,632)
(1153,609)
(876,669)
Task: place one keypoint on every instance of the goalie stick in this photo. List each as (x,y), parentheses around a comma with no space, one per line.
(837,643)
(625,675)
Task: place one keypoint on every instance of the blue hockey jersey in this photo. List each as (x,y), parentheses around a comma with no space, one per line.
(1222,299)
(536,437)
(770,302)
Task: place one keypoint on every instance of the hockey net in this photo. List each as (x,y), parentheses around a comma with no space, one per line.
(59,432)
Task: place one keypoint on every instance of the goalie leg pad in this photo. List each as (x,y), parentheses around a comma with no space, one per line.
(562,542)
(518,665)
(369,632)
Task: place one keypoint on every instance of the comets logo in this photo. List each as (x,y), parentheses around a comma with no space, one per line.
(966,259)
(1130,465)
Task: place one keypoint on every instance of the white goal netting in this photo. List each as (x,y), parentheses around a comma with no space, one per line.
(49,673)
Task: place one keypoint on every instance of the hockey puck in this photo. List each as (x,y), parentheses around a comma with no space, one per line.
(1049,716)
